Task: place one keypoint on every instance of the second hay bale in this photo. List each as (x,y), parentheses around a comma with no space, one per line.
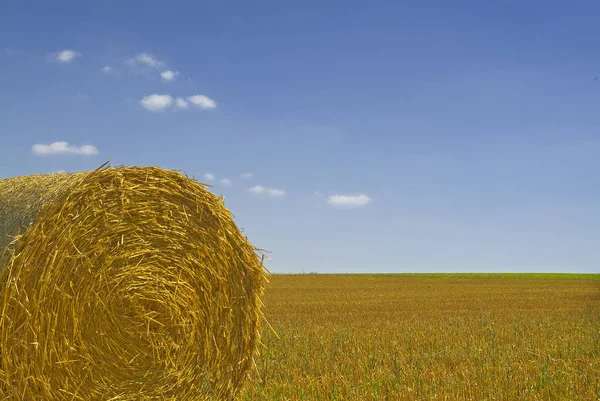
(130,283)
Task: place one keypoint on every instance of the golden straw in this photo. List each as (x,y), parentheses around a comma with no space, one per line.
(128,283)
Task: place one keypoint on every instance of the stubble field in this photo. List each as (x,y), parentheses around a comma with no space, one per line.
(429,337)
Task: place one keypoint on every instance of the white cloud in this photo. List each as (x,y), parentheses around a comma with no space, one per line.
(157,102)
(66,56)
(145,59)
(318,193)
(108,70)
(275,192)
(169,75)
(209,176)
(181,103)
(225,182)
(259,190)
(349,200)
(60,172)
(62,148)
(202,102)
(246,175)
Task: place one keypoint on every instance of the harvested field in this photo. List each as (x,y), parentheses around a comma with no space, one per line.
(430,337)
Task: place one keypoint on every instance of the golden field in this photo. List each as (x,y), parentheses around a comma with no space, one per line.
(429,337)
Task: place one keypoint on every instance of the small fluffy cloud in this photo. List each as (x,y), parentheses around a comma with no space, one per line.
(202,102)
(246,175)
(145,59)
(260,190)
(157,102)
(181,103)
(209,176)
(225,182)
(349,200)
(169,75)
(63,148)
(108,70)
(66,56)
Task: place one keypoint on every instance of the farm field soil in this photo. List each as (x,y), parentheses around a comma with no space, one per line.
(429,337)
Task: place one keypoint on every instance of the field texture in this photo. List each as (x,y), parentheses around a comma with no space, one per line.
(430,337)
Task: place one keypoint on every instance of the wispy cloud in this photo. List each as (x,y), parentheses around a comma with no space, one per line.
(202,102)
(225,182)
(275,192)
(260,190)
(209,176)
(246,175)
(157,102)
(108,70)
(169,75)
(257,190)
(66,56)
(349,200)
(145,59)
(63,148)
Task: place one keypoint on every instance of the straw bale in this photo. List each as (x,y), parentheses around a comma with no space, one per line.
(128,283)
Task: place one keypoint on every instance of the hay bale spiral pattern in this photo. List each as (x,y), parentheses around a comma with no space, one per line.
(129,283)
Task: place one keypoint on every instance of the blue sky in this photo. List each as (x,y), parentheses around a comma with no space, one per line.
(428,136)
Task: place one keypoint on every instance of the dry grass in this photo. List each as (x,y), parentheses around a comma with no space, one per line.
(130,284)
(430,338)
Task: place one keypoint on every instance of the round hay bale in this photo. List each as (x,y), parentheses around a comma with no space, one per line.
(129,283)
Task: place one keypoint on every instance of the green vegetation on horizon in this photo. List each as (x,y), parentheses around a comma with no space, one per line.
(558,276)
